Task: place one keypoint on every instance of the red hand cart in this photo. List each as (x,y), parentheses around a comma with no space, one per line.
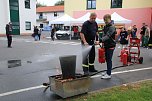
(134,43)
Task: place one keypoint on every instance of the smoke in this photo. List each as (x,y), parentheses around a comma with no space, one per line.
(85,51)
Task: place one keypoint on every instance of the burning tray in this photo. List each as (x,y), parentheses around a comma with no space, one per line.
(69,87)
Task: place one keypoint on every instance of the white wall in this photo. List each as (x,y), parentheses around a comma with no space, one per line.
(27,15)
(5,15)
(49,15)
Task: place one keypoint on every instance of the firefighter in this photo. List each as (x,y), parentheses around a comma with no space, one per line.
(108,40)
(88,35)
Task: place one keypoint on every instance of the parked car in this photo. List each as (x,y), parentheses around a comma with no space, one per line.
(62,34)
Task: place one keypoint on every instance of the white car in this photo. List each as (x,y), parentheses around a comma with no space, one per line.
(62,34)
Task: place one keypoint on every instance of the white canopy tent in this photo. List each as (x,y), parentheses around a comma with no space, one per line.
(86,17)
(68,20)
(119,19)
(65,19)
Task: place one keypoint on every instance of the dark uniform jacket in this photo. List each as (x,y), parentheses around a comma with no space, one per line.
(89,29)
(108,37)
(8,29)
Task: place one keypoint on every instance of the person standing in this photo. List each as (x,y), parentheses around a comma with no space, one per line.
(150,40)
(142,33)
(123,37)
(52,33)
(39,33)
(75,30)
(147,36)
(9,34)
(134,31)
(108,40)
(36,31)
(88,35)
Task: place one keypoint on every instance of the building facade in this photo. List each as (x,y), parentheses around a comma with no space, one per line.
(139,11)
(48,13)
(17,12)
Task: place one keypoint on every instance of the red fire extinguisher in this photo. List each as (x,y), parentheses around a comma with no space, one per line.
(125,58)
(101,54)
(121,54)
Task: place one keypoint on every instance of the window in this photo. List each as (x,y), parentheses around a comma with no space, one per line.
(91,4)
(41,16)
(27,4)
(116,3)
(28,25)
(55,14)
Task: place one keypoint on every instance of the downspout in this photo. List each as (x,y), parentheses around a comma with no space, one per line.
(151,24)
(151,20)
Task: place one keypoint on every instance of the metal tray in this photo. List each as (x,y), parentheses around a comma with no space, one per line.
(69,87)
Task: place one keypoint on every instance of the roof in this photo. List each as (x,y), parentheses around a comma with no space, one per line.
(50,9)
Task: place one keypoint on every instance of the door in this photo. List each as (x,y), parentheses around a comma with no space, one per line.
(14,16)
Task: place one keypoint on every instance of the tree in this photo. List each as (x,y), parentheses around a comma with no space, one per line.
(40,5)
(61,2)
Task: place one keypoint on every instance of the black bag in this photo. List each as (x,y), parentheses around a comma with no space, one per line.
(33,35)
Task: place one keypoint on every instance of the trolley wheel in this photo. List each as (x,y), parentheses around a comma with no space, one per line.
(129,58)
(140,60)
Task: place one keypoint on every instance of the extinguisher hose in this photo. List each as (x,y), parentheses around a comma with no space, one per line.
(112,69)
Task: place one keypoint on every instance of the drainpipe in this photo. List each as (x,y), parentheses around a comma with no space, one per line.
(151,20)
(151,24)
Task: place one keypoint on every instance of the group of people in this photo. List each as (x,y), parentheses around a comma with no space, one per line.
(89,36)
(126,34)
(37,33)
(132,33)
(145,36)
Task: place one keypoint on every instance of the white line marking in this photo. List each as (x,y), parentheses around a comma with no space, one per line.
(44,42)
(75,44)
(41,86)
(126,71)
(27,41)
(134,70)
(21,90)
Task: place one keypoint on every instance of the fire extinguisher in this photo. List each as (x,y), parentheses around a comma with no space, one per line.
(121,54)
(125,59)
(101,54)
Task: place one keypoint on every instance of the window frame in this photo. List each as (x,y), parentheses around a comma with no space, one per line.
(55,15)
(112,5)
(91,4)
(27,25)
(28,1)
